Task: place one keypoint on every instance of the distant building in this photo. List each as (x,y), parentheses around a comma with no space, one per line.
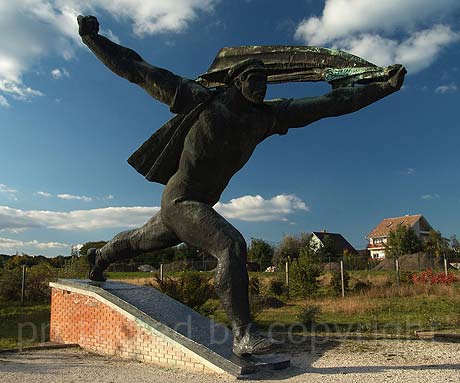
(379,235)
(340,243)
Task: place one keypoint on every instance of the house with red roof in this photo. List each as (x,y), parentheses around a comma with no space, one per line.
(379,235)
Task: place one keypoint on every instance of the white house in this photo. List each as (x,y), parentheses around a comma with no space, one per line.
(379,235)
(340,243)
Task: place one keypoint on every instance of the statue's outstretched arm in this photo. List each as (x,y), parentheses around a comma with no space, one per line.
(159,83)
(301,112)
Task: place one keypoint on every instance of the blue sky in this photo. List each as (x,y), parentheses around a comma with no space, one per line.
(67,124)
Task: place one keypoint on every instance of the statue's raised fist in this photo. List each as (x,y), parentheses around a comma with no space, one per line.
(87,25)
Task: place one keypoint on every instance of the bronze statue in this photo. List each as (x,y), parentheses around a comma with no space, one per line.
(212,136)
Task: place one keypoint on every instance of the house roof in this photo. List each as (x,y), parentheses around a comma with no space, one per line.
(389,224)
(340,243)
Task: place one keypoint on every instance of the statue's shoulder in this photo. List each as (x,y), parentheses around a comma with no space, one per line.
(189,94)
(277,103)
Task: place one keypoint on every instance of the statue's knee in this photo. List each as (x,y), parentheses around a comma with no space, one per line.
(235,252)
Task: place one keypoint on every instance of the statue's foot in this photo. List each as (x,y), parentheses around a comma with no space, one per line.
(254,344)
(95,273)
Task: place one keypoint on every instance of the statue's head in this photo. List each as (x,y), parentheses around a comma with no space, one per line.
(250,78)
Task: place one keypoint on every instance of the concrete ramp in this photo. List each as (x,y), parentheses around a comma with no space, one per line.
(141,323)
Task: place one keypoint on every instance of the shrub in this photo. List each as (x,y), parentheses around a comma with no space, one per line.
(308,314)
(433,278)
(36,288)
(276,287)
(37,283)
(254,286)
(10,285)
(304,274)
(361,286)
(336,282)
(192,289)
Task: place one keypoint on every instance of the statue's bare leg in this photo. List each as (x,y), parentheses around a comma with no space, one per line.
(199,225)
(154,235)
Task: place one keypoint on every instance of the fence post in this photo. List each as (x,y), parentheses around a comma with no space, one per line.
(23,284)
(445,266)
(342,278)
(398,277)
(161,272)
(287,278)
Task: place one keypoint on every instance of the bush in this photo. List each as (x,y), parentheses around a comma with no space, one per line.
(76,268)
(336,282)
(361,286)
(192,289)
(10,285)
(304,275)
(308,314)
(36,288)
(254,286)
(433,278)
(37,283)
(276,287)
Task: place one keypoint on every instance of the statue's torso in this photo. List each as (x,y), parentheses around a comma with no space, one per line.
(218,144)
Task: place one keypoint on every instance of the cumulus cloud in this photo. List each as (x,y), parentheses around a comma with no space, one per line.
(74,197)
(449,88)
(256,208)
(58,73)
(246,208)
(102,218)
(368,30)
(8,245)
(33,29)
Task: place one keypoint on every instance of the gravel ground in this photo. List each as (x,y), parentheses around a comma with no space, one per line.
(345,361)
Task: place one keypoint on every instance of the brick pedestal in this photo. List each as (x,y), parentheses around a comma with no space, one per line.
(81,319)
(141,323)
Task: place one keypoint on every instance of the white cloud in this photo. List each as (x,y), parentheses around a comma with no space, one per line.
(103,218)
(58,73)
(33,29)
(4,102)
(449,88)
(74,197)
(247,208)
(256,208)
(109,197)
(13,245)
(428,197)
(44,194)
(9,192)
(368,30)
(6,189)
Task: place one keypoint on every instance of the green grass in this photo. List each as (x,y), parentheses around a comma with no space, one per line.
(129,274)
(23,326)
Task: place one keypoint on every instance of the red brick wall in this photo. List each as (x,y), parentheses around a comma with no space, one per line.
(78,318)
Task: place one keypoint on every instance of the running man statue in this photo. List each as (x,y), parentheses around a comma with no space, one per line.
(197,152)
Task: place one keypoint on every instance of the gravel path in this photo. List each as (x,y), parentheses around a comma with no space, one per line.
(346,361)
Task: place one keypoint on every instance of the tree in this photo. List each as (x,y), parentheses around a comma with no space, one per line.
(289,247)
(261,252)
(88,245)
(403,240)
(327,250)
(455,245)
(304,273)
(435,244)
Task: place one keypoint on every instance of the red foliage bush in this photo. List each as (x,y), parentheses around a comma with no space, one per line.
(434,278)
